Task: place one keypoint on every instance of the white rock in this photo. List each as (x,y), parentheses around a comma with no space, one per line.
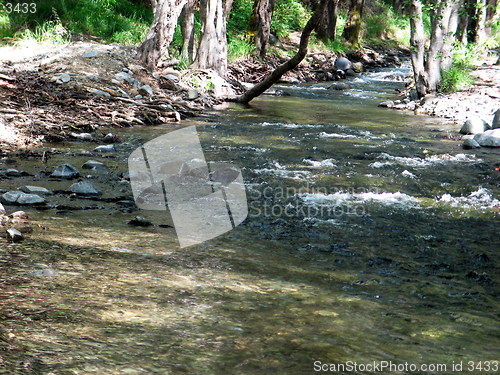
(490,138)
(30,189)
(496,120)
(14,235)
(474,125)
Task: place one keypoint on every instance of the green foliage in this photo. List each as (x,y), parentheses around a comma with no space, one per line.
(336,46)
(381,22)
(239,18)
(458,77)
(288,15)
(119,21)
(238,47)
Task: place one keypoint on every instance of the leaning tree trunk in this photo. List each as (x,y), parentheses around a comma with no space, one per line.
(155,47)
(450,35)
(352,28)
(212,51)
(290,64)
(260,24)
(326,28)
(417,50)
(187,27)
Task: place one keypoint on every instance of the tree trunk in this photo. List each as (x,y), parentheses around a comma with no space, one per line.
(155,47)
(187,27)
(477,17)
(427,67)
(260,24)
(290,64)
(352,28)
(212,51)
(491,16)
(417,49)
(326,28)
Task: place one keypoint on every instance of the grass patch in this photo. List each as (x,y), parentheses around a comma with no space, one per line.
(459,77)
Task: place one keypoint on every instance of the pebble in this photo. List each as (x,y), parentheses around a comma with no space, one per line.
(63,78)
(146,90)
(101,93)
(90,54)
(82,136)
(95,166)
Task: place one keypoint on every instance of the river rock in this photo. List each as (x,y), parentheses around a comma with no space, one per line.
(387,104)
(490,138)
(496,120)
(20,198)
(11,172)
(110,138)
(14,235)
(122,76)
(85,188)
(343,64)
(63,78)
(193,94)
(470,143)
(350,73)
(474,125)
(30,189)
(340,86)
(105,148)
(357,67)
(65,171)
(82,136)
(140,221)
(95,166)
(2,209)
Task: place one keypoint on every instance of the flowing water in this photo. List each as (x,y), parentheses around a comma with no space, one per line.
(371,236)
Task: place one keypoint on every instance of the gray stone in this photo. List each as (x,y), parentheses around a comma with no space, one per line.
(387,104)
(14,235)
(171,77)
(93,77)
(46,272)
(95,166)
(11,172)
(109,138)
(340,86)
(101,93)
(30,189)
(2,209)
(63,78)
(273,40)
(155,75)
(140,221)
(89,54)
(146,90)
(122,76)
(490,138)
(343,64)
(105,148)
(470,143)
(474,125)
(350,73)
(85,188)
(496,120)
(123,93)
(193,94)
(65,171)
(18,197)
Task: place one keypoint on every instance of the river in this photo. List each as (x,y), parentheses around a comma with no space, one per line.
(372,236)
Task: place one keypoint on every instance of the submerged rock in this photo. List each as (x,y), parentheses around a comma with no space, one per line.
(387,104)
(490,138)
(95,166)
(85,188)
(65,171)
(474,125)
(340,86)
(470,143)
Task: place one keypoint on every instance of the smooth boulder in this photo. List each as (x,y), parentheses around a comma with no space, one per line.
(490,138)
(470,143)
(30,189)
(474,125)
(65,171)
(343,64)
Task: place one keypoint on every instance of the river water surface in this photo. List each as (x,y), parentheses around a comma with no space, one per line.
(372,236)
